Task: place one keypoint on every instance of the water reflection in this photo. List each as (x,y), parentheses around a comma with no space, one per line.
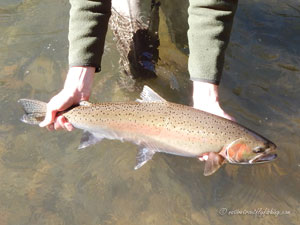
(45,180)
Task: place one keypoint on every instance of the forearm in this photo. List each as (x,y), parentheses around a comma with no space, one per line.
(210,23)
(87,30)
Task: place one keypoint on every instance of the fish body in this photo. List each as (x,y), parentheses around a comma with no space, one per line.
(160,126)
(173,128)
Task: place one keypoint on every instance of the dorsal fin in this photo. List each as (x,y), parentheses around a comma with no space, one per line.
(148,95)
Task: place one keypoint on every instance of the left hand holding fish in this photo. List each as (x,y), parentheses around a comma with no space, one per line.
(77,88)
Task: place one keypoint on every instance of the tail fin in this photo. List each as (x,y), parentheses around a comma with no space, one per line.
(35,111)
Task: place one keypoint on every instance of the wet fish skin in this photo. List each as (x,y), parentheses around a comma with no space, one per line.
(160,126)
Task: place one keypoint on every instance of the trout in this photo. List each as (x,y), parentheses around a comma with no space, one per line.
(157,125)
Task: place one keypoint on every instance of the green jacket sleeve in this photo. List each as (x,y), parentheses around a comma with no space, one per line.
(210,23)
(87,30)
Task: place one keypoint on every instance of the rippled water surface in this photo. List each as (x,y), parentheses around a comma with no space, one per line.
(46,180)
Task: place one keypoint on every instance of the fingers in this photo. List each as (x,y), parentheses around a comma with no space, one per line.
(49,118)
(59,123)
(52,108)
(62,123)
(50,127)
(59,102)
(69,126)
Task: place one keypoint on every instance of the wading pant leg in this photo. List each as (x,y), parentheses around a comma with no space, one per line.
(210,23)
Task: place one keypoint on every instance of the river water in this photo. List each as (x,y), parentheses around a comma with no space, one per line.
(46,180)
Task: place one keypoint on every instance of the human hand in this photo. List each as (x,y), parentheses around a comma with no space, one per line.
(206,98)
(77,87)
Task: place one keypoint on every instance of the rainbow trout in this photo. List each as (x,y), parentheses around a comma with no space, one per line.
(160,126)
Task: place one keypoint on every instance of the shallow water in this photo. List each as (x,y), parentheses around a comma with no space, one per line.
(46,180)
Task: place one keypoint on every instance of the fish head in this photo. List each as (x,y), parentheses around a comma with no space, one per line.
(249,151)
(241,151)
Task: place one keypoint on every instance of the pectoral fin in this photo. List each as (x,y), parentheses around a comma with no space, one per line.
(143,156)
(213,163)
(89,139)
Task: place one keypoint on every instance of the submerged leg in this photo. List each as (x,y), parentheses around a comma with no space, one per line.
(135,42)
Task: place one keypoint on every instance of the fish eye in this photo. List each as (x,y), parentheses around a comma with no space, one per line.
(258,149)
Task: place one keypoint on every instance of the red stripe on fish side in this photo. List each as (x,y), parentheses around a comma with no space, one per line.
(150,130)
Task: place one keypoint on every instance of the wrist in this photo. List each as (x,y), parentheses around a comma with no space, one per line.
(205,91)
(79,81)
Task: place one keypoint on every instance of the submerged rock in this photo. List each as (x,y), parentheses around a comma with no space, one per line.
(42,75)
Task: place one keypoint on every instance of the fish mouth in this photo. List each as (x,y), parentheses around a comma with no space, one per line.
(267,156)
